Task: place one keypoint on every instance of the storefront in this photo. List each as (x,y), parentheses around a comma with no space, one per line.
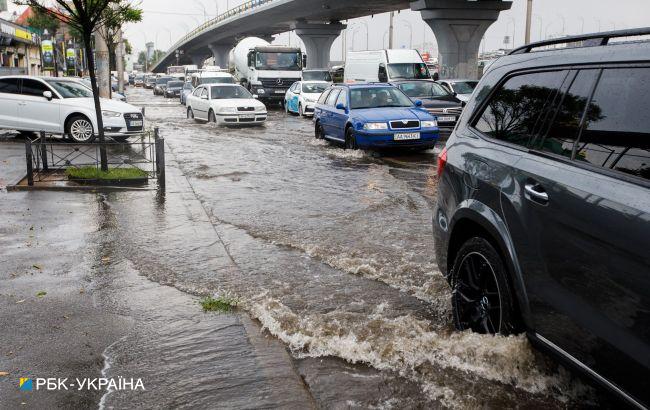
(19,50)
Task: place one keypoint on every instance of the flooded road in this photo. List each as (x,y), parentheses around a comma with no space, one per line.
(331,250)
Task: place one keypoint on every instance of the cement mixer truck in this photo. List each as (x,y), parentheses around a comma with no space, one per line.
(264,69)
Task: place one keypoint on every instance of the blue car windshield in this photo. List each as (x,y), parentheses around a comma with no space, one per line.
(377,97)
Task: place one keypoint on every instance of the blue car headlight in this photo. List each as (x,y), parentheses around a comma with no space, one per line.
(375,126)
(429,124)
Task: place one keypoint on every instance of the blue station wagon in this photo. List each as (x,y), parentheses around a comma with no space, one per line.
(373,116)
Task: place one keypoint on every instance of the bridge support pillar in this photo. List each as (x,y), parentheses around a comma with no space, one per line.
(459,27)
(198,59)
(221,54)
(318,40)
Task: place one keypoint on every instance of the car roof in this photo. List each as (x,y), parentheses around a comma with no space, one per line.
(220,85)
(313,82)
(363,85)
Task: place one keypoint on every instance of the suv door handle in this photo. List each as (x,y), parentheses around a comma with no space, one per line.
(535,192)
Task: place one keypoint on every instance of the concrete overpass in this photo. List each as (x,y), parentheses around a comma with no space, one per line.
(458,25)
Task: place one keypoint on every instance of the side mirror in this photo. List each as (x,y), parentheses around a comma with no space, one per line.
(418,103)
(256,96)
(340,106)
(48,95)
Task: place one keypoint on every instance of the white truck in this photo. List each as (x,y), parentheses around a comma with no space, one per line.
(384,66)
(266,70)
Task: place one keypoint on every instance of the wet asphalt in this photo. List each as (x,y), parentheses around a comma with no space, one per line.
(328,251)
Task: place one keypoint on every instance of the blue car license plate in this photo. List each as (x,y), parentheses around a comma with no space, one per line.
(405,136)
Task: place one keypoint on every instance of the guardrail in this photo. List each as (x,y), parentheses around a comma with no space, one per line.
(247,6)
(47,160)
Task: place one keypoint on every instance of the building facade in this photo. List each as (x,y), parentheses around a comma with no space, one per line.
(19,50)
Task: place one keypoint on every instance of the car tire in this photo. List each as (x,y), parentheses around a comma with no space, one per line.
(212,117)
(79,129)
(482,299)
(319,133)
(350,139)
(300,111)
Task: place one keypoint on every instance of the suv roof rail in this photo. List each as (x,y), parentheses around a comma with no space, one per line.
(590,40)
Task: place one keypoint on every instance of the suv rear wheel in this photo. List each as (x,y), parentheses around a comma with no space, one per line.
(481,298)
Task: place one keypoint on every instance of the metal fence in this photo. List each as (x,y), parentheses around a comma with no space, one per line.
(48,160)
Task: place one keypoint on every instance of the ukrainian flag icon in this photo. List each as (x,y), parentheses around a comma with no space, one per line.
(25,384)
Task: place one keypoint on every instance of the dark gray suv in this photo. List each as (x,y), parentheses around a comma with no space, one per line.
(542,223)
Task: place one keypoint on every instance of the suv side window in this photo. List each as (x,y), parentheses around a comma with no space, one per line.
(332,97)
(33,87)
(563,132)
(9,85)
(514,111)
(616,134)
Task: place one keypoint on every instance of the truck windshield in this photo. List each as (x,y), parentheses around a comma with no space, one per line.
(316,76)
(423,89)
(237,91)
(416,71)
(278,61)
(377,97)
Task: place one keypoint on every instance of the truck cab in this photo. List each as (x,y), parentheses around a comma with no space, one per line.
(266,70)
(385,66)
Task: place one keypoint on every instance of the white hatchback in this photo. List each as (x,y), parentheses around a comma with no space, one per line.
(302,96)
(61,106)
(229,104)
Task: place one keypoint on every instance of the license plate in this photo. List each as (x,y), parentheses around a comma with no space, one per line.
(447,119)
(280,91)
(247,116)
(403,136)
(135,123)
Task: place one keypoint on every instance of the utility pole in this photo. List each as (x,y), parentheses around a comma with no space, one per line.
(529,18)
(390,30)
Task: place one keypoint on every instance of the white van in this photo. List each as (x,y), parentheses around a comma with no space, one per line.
(212,77)
(384,66)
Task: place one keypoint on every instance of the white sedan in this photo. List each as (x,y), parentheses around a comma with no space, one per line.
(228,104)
(302,95)
(60,106)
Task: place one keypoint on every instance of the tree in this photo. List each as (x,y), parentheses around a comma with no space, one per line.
(86,16)
(43,21)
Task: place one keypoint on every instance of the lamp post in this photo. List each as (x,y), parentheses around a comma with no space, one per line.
(410,32)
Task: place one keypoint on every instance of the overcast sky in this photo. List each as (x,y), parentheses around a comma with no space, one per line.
(166,20)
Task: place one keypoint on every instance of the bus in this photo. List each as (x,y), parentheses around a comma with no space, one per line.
(175,69)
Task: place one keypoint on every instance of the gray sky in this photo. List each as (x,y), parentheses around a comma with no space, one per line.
(166,20)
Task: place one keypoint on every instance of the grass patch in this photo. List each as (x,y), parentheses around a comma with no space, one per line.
(112,173)
(41,293)
(220,304)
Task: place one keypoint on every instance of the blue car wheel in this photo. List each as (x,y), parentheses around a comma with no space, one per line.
(350,139)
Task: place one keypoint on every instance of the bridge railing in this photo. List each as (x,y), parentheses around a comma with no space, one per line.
(249,5)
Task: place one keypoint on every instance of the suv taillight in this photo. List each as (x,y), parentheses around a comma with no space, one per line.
(442,161)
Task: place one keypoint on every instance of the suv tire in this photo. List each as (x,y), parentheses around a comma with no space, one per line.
(481,298)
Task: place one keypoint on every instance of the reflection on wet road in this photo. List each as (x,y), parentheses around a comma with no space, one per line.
(331,250)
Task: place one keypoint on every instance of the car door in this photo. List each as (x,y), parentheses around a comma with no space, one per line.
(9,99)
(35,112)
(340,116)
(584,199)
(328,112)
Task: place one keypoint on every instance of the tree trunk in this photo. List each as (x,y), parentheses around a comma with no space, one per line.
(98,109)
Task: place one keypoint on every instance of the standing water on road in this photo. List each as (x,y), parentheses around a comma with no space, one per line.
(331,250)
